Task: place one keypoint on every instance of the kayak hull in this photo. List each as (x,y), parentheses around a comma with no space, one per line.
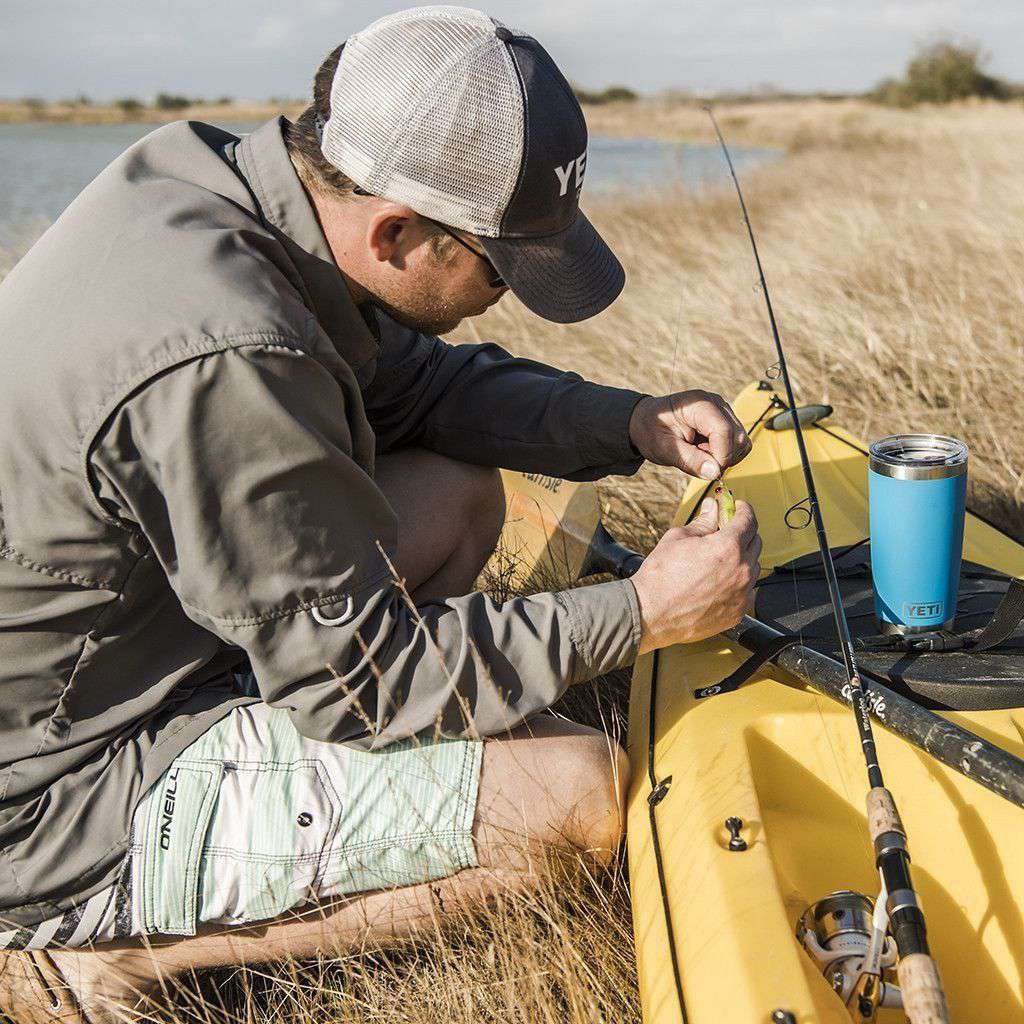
(787,761)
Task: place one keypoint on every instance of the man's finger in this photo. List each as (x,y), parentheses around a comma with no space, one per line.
(715,420)
(722,439)
(706,522)
(739,441)
(697,462)
(744,522)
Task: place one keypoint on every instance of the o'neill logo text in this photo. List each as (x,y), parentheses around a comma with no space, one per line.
(924,610)
(170,795)
(579,165)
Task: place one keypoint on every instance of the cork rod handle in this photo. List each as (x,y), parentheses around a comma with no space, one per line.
(924,1002)
(882,814)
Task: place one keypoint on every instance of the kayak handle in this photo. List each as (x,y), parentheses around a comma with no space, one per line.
(806,415)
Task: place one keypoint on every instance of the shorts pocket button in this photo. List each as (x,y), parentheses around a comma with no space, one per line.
(305,819)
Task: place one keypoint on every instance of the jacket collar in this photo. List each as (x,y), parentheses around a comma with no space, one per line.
(263,160)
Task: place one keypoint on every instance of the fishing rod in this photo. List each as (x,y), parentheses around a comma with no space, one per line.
(924,1001)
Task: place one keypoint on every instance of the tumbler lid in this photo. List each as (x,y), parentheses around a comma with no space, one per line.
(919,456)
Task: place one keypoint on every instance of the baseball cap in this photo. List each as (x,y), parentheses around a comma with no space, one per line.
(470,123)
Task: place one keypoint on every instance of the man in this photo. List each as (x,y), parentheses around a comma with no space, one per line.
(246,494)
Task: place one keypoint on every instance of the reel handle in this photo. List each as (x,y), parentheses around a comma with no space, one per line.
(924,1001)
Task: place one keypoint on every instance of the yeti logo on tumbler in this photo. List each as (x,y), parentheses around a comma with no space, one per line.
(932,610)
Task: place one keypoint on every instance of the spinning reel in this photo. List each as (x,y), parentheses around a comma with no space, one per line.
(845,934)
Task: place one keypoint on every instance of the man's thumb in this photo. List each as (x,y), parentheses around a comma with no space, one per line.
(707,521)
(697,463)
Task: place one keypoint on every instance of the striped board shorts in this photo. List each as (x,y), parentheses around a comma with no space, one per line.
(253,820)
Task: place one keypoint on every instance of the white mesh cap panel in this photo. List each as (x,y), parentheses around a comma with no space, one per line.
(426,109)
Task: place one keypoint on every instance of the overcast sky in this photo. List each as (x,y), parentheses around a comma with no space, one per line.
(259,48)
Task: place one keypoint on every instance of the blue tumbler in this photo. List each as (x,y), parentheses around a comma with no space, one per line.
(918,488)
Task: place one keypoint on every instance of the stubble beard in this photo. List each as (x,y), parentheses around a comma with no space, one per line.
(429,321)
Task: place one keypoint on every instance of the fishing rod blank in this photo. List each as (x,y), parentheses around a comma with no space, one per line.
(924,1000)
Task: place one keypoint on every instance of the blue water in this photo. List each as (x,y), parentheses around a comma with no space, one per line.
(44,166)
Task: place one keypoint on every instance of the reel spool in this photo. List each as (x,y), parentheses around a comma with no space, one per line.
(837,934)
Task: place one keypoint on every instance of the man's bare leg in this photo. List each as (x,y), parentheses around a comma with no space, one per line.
(548,782)
(450,516)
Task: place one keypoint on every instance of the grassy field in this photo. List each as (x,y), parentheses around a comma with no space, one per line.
(893,244)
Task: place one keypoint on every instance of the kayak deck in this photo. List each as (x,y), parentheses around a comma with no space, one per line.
(787,761)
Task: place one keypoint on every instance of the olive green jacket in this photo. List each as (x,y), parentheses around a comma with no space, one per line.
(189,414)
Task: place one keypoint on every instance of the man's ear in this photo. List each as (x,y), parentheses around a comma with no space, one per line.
(389,232)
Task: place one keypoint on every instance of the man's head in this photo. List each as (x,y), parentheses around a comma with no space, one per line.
(445,155)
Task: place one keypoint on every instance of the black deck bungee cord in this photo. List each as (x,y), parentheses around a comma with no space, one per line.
(924,1000)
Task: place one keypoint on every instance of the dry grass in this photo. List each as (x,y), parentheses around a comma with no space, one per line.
(894,247)
(897,271)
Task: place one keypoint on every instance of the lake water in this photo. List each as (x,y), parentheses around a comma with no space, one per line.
(44,166)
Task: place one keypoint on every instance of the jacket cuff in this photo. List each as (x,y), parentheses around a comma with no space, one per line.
(604,626)
(602,426)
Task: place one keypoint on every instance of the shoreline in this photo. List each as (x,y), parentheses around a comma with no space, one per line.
(793,125)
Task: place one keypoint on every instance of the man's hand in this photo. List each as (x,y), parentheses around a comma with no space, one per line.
(695,431)
(700,579)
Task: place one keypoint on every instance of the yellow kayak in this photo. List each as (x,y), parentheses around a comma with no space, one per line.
(716,928)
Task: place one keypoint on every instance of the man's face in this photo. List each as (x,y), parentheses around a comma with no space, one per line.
(437,282)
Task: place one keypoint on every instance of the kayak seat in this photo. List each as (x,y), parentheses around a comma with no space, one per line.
(794,599)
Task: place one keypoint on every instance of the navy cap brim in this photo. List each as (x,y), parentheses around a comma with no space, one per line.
(565,277)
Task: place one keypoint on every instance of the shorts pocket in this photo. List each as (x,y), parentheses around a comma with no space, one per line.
(265,846)
(170,825)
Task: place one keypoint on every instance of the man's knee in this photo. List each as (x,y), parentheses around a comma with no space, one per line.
(552,783)
(484,503)
(595,794)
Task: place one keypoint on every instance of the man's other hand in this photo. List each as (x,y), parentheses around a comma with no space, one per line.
(695,431)
(700,579)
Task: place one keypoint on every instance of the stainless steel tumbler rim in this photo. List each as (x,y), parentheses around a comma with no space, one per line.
(919,457)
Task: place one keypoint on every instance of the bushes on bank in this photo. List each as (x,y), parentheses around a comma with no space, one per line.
(169,101)
(942,72)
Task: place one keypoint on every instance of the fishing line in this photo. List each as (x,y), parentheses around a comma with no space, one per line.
(924,1000)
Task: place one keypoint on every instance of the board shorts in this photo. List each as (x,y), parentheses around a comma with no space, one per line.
(253,820)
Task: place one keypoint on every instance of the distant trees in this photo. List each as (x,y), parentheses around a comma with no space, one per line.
(169,101)
(128,105)
(613,94)
(941,72)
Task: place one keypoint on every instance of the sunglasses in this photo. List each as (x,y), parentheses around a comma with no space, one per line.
(494,279)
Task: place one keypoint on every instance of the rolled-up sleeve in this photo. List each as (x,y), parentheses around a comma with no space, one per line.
(236,467)
(479,404)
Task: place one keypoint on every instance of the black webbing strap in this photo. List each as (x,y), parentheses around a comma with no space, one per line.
(748,668)
(1004,622)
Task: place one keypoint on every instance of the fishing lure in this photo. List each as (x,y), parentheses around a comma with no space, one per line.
(726,504)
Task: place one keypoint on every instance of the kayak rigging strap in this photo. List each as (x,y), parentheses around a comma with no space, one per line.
(1003,624)
(1004,621)
(749,668)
